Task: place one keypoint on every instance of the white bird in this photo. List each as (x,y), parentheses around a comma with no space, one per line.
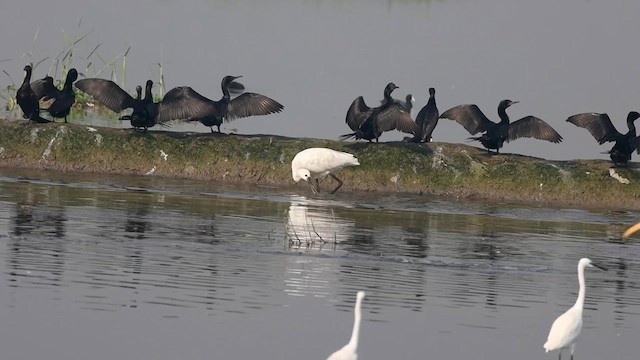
(566,327)
(316,163)
(350,351)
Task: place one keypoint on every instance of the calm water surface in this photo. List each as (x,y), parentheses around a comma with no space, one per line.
(96,267)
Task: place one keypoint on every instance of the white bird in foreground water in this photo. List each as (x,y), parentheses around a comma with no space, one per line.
(316,163)
(566,327)
(350,351)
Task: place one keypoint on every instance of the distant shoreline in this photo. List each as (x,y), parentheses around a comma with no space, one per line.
(443,169)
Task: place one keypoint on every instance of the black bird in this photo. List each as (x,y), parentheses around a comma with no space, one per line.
(145,112)
(474,121)
(61,101)
(189,105)
(600,126)
(427,119)
(27,99)
(369,123)
(110,94)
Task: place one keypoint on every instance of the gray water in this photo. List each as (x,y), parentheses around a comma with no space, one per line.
(106,267)
(558,58)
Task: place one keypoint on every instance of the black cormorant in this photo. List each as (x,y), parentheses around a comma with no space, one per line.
(60,101)
(369,123)
(427,119)
(189,105)
(145,113)
(27,99)
(600,126)
(474,121)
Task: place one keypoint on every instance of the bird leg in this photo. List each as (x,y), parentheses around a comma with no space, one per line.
(339,183)
(317,188)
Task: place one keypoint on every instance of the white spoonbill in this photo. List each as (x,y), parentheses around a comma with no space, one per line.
(350,351)
(566,327)
(316,163)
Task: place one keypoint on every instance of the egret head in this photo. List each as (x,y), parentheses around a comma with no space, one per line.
(360,295)
(586,262)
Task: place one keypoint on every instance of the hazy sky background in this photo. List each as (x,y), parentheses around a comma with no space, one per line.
(557,58)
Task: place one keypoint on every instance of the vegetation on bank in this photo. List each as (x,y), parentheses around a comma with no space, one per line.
(435,168)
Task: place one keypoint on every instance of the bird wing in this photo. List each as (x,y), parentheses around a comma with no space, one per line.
(395,116)
(107,93)
(470,117)
(184,103)
(427,120)
(599,125)
(44,88)
(531,126)
(358,113)
(638,144)
(251,104)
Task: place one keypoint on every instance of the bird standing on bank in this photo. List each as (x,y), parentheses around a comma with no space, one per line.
(350,351)
(495,134)
(59,101)
(427,119)
(315,163)
(601,128)
(195,107)
(27,99)
(566,327)
(146,113)
(369,123)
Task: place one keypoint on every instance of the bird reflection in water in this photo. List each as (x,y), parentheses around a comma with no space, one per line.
(137,224)
(314,222)
(44,220)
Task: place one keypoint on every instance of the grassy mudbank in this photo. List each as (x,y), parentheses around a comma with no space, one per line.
(435,168)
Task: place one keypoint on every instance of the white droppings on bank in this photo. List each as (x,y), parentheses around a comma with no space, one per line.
(614,174)
(163,155)
(150,172)
(57,136)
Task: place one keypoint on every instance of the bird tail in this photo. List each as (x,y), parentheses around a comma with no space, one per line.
(347,136)
(474,138)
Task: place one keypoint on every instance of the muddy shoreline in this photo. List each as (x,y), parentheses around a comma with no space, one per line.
(443,169)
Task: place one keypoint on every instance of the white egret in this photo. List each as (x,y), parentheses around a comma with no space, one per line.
(630,231)
(566,327)
(350,351)
(316,163)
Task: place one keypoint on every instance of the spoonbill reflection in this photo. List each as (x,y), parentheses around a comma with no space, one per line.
(309,222)
(350,351)
(566,327)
